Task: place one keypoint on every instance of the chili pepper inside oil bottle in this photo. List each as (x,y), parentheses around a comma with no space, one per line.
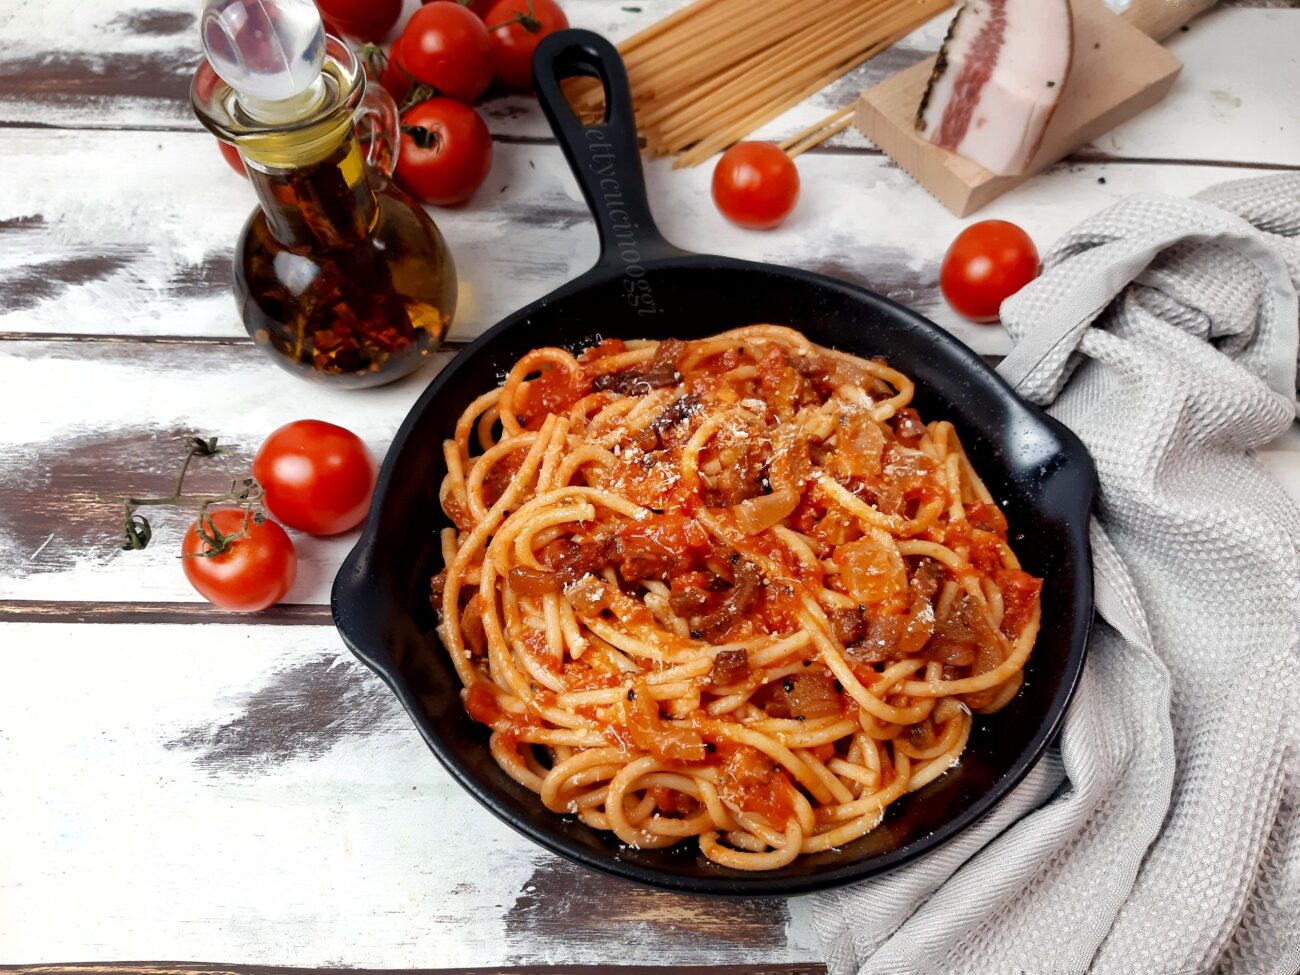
(341,275)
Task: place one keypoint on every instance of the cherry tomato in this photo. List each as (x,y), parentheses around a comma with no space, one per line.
(755,185)
(231,155)
(516,28)
(987,263)
(318,477)
(255,572)
(446,46)
(364,20)
(478,8)
(446,152)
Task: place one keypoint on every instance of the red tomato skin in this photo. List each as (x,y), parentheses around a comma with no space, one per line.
(231,155)
(396,79)
(478,8)
(257,570)
(317,477)
(448,172)
(446,46)
(513,46)
(364,20)
(986,264)
(755,185)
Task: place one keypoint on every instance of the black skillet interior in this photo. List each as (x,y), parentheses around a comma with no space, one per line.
(643,287)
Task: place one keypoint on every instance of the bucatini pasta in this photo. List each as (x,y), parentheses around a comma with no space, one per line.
(711,73)
(730,591)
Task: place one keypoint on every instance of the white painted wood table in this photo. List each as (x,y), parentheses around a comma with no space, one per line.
(178,783)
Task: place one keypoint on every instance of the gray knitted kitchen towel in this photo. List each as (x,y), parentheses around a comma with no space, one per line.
(1163,835)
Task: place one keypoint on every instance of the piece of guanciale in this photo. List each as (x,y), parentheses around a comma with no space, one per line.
(999,76)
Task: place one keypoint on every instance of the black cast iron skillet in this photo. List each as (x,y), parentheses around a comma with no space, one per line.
(644,287)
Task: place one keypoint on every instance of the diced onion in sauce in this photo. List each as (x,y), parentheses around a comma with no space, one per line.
(871,568)
(862,444)
(761,513)
(665,740)
(527,581)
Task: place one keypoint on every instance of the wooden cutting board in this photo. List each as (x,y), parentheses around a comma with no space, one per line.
(1119,69)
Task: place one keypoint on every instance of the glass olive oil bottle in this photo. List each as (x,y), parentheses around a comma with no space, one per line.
(338,273)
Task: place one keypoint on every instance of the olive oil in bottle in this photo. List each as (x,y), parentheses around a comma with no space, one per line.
(339,274)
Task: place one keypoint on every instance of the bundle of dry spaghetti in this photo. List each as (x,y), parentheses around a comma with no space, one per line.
(714,71)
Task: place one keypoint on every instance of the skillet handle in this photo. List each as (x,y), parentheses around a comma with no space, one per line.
(605,157)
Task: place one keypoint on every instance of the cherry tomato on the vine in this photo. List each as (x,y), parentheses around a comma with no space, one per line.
(447,47)
(317,477)
(254,572)
(987,263)
(364,20)
(755,185)
(231,155)
(517,27)
(446,151)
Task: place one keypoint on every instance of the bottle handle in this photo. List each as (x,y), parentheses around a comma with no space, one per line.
(378,128)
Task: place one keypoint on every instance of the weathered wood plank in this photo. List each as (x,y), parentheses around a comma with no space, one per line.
(198,792)
(131,233)
(193,968)
(139,239)
(1220,109)
(127,63)
(106,419)
(74,611)
(1227,104)
(66,448)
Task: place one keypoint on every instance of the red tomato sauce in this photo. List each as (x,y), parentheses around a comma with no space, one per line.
(671,802)
(752,782)
(1020,594)
(482,704)
(554,391)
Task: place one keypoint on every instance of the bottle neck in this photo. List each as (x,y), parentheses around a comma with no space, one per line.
(326,204)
